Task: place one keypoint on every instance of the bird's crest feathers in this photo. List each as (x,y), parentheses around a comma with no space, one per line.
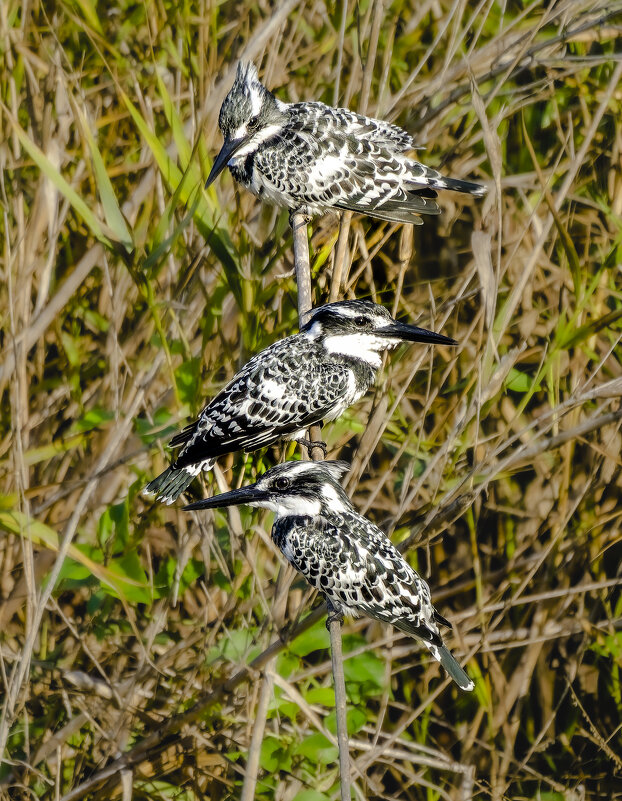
(246,72)
(336,468)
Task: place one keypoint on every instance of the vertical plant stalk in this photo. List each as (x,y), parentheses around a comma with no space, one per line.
(340,273)
(254,752)
(341,267)
(249,786)
(303,278)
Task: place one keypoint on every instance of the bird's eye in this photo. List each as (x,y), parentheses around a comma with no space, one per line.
(361,320)
(281,483)
(253,123)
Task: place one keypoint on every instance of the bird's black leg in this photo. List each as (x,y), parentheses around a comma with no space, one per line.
(310,444)
(332,614)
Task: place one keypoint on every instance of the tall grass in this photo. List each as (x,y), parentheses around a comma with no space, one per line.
(133,636)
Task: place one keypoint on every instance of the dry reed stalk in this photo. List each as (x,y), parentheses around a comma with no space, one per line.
(303,278)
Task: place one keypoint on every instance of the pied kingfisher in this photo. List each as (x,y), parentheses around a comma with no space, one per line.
(343,554)
(299,381)
(311,158)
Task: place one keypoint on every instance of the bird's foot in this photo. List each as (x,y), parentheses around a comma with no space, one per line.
(305,218)
(333,615)
(310,444)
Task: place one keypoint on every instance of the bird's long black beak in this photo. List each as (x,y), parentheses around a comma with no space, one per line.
(230,146)
(245,495)
(411,333)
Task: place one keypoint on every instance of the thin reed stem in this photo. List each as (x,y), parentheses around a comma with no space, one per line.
(303,277)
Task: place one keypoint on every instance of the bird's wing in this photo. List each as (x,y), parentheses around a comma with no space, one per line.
(277,393)
(401,207)
(360,572)
(322,118)
(331,157)
(355,565)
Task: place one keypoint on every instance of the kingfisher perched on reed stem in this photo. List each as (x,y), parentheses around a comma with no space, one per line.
(311,158)
(293,384)
(343,554)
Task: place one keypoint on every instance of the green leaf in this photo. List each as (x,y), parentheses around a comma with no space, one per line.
(575,337)
(132,581)
(39,533)
(311,795)
(112,211)
(320,695)
(317,749)
(203,209)
(323,253)
(160,789)
(187,379)
(165,575)
(177,127)
(287,663)
(160,428)
(74,571)
(89,12)
(273,757)
(94,418)
(283,705)
(236,647)
(355,717)
(72,349)
(46,452)
(519,382)
(610,646)
(115,521)
(312,639)
(366,668)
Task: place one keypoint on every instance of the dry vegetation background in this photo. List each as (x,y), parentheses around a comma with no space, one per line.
(142,647)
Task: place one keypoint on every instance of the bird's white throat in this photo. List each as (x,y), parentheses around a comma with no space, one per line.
(294,506)
(363,346)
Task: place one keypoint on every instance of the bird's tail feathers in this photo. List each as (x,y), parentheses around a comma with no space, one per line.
(457,185)
(423,177)
(444,656)
(169,485)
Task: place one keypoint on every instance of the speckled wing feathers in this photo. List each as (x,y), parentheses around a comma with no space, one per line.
(360,572)
(276,394)
(321,120)
(357,567)
(327,157)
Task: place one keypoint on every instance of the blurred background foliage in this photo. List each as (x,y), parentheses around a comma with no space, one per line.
(129,295)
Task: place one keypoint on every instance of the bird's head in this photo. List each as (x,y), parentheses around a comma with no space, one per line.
(298,489)
(249,115)
(363,330)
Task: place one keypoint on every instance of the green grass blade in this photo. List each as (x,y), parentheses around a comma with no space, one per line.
(99,229)
(218,240)
(112,211)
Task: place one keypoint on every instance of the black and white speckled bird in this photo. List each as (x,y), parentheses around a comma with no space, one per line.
(311,158)
(299,381)
(343,554)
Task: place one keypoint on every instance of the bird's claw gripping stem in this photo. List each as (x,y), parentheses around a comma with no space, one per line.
(306,218)
(333,615)
(311,444)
